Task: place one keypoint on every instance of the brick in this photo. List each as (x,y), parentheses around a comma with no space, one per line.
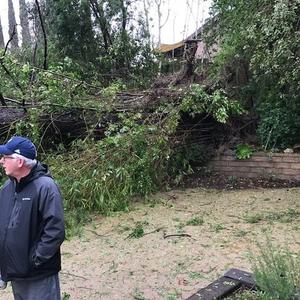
(289,172)
(219,163)
(234,169)
(228,157)
(249,163)
(282,165)
(264,170)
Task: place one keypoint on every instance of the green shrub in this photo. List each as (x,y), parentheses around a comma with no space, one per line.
(243,151)
(101,176)
(277,273)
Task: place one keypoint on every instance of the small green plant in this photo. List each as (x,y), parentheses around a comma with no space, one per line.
(253,218)
(232,179)
(195,275)
(138,231)
(173,296)
(240,233)
(138,295)
(218,227)
(243,151)
(66,296)
(195,221)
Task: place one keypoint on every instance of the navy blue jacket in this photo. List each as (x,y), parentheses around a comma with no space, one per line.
(31,226)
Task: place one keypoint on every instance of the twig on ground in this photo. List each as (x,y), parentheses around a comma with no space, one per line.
(71,274)
(154,231)
(94,232)
(179,235)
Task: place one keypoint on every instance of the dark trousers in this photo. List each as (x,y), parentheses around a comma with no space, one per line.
(41,289)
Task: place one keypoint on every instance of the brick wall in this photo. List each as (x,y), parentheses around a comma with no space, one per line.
(278,165)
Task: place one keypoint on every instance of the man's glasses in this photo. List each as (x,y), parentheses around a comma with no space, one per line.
(7,157)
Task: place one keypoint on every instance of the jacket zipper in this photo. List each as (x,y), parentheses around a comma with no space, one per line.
(4,267)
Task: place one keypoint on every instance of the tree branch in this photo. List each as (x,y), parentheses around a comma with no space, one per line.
(44,35)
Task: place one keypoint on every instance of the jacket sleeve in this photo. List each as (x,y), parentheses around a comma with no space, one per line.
(52,229)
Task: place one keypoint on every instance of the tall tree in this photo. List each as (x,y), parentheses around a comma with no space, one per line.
(26,39)
(99,13)
(12,25)
(264,35)
(161,21)
(1,35)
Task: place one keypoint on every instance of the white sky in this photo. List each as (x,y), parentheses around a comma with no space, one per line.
(4,17)
(185,16)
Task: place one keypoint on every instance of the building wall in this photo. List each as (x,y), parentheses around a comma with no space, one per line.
(277,165)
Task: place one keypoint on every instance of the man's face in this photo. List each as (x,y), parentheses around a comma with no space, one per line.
(10,164)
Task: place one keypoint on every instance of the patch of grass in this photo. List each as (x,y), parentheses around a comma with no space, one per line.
(138,295)
(217,227)
(173,296)
(180,226)
(254,218)
(123,228)
(284,216)
(195,221)
(195,275)
(138,231)
(240,233)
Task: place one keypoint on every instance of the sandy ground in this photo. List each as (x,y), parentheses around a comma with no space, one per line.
(105,263)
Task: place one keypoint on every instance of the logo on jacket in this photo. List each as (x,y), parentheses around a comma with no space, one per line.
(26,199)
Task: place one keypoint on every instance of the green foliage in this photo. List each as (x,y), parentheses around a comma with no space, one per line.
(276,272)
(218,104)
(136,156)
(263,37)
(101,35)
(103,175)
(243,151)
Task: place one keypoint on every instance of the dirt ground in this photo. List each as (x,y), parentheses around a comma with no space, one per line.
(187,239)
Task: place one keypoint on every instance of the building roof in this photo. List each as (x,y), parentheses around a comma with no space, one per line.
(163,48)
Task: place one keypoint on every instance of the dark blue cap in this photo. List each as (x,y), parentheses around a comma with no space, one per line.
(19,145)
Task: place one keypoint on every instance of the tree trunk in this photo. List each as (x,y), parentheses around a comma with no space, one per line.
(11,24)
(104,27)
(1,36)
(26,38)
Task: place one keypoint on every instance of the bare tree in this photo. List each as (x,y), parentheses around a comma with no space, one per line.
(26,39)
(161,22)
(146,6)
(1,36)
(11,25)
(98,11)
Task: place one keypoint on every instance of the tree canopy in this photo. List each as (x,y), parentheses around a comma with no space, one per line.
(264,34)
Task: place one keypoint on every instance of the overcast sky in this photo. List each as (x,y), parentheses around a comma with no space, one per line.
(184,16)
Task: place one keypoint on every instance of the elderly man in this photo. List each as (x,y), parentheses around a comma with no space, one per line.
(31,224)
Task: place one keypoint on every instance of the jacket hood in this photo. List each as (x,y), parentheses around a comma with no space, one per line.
(37,171)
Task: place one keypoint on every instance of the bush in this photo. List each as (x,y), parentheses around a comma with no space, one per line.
(277,273)
(101,176)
